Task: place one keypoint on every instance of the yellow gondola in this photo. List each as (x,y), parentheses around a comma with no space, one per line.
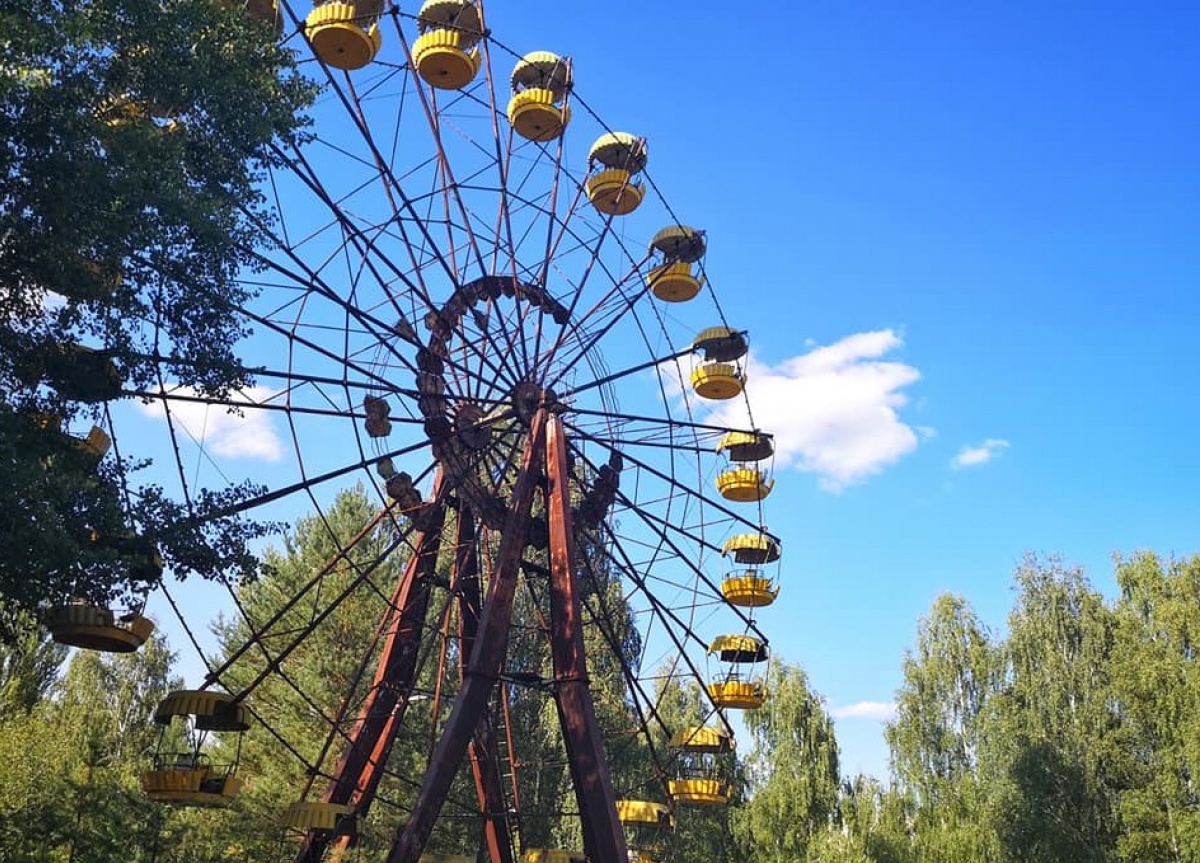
(738,648)
(552,855)
(752,548)
(330,818)
(75,371)
(744,484)
(540,82)
(345,35)
(748,589)
(674,281)
(445,54)
(94,628)
(702,738)
(95,445)
(191,778)
(644,812)
(721,344)
(703,767)
(612,189)
(699,790)
(647,825)
(719,376)
(746,446)
(718,381)
(738,694)
(679,243)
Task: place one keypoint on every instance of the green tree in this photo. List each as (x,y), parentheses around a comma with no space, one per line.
(791,769)
(294,708)
(1058,769)
(70,767)
(701,832)
(1156,681)
(29,664)
(877,818)
(939,730)
(133,135)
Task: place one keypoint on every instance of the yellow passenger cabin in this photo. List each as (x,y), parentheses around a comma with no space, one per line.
(446,55)
(743,446)
(752,548)
(648,826)
(191,777)
(744,484)
(738,648)
(674,280)
(736,694)
(749,589)
(345,35)
(552,855)
(331,819)
(616,159)
(537,110)
(719,375)
(702,766)
(92,627)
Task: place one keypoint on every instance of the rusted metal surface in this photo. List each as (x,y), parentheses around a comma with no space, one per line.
(603,837)
(485,766)
(360,768)
(485,662)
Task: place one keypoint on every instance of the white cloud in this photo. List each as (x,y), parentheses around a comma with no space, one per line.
(250,435)
(834,410)
(880,711)
(969,456)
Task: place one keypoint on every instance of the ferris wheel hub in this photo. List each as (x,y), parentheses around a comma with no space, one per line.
(528,397)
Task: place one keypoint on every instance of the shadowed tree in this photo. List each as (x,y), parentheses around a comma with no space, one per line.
(133,134)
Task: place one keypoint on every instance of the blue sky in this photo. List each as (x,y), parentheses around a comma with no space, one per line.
(1012,191)
(962,238)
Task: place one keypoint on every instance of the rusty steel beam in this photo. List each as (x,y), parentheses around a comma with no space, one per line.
(603,837)
(482,749)
(486,659)
(357,775)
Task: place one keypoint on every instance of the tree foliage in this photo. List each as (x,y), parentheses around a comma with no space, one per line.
(1070,737)
(71,764)
(133,134)
(792,771)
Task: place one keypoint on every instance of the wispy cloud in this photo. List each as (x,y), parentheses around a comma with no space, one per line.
(879,711)
(834,410)
(250,435)
(970,456)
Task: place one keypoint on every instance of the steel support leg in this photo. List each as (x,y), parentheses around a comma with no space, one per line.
(486,660)
(360,768)
(603,837)
(481,751)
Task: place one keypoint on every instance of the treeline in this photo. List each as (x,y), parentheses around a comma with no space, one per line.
(1069,738)
(1072,738)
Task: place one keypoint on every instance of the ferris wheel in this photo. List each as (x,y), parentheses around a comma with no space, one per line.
(473,299)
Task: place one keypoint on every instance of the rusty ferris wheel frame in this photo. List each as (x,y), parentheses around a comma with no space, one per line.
(462,294)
